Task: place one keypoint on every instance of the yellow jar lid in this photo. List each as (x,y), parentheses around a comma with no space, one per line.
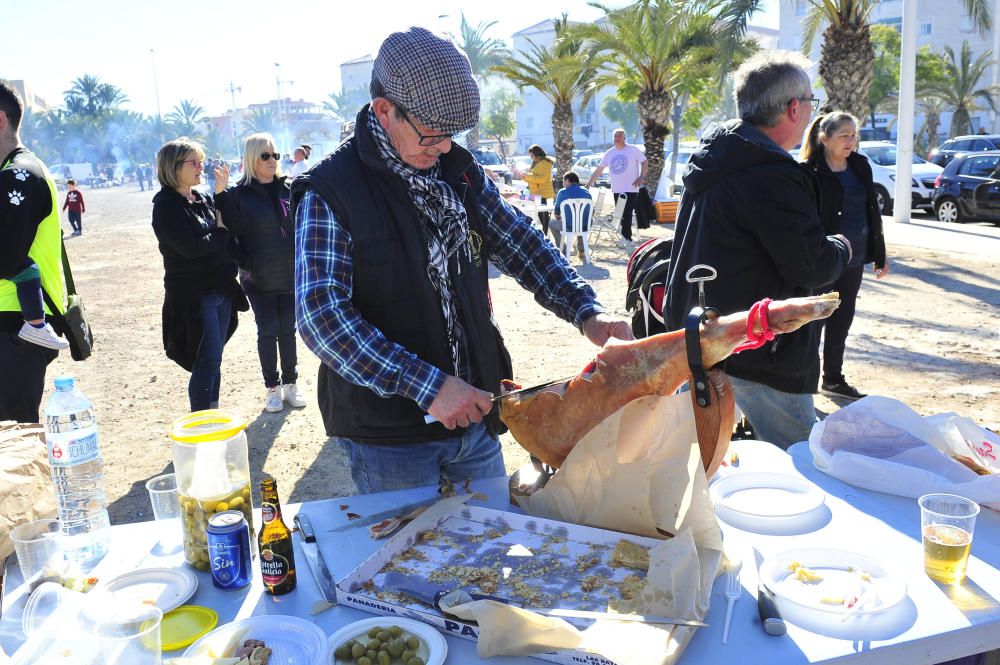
(186,624)
(208,425)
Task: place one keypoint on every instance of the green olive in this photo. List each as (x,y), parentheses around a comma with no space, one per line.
(236,503)
(374,644)
(342,653)
(383,636)
(365,660)
(416,660)
(221,507)
(384,658)
(374,630)
(357,651)
(412,642)
(407,655)
(395,631)
(396,647)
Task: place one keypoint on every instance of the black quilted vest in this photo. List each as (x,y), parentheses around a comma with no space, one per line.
(392,292)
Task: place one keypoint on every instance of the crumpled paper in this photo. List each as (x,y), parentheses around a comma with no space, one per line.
(26,492)
(638,471)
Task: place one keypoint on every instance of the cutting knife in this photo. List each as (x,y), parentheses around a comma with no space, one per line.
(431,595)
(315,558)
(399,511)
(767,609)
(520,391)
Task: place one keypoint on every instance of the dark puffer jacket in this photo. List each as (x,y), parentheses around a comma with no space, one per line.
(264,233)
(750,211)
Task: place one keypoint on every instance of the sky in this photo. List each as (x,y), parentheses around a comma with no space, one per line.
(187,49)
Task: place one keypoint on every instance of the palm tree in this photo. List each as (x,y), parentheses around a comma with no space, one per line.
(847,56)
(484,53)
(932,108)
(345,105)
(561,74)
(186,117)
(260,119)
(958,89)
(653,50)
(89,96)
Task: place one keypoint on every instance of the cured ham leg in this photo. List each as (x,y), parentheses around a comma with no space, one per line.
(549,422)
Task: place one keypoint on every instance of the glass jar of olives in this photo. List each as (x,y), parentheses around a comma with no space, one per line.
(213,475)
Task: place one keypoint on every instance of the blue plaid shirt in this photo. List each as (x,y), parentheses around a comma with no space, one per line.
(337,333)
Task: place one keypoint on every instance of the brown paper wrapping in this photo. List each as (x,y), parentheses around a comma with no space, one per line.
(638,470)
(26,492)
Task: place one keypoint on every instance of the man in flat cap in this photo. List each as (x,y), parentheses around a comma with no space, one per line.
(394,231)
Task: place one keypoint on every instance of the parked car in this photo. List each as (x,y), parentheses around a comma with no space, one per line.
(585,167)
(969,188)
(882,157)
(683,157)
(493,165)
(972,143)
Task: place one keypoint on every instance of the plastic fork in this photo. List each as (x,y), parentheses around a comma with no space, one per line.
(733,591)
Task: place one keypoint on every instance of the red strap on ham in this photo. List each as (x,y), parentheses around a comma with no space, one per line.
(757,340)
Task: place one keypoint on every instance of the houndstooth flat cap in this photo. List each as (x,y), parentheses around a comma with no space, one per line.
(430,78)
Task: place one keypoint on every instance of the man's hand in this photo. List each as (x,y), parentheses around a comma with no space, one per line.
(883,271)
(590,183)
(638,182)
(458,404)
(850,250)
(600,327)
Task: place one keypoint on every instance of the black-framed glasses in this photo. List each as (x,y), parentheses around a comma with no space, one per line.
(813,100)
(264,156)
(425,139)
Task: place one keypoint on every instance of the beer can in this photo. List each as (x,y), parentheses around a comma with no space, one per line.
(229,550)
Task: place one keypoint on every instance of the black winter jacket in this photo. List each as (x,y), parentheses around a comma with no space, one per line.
(831,202)
(264,234)
(750,211)
(196,260)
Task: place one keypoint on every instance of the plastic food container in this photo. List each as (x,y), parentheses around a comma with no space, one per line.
(213,475)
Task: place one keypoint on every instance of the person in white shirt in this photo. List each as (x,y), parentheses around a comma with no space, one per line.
(301,163)
(628,173)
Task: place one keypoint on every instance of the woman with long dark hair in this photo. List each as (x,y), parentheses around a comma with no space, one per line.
(539,179)
(848,206)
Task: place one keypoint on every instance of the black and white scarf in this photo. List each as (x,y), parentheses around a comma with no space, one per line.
(446,230)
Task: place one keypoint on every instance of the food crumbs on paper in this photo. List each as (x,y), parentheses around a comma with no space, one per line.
(353,516)
(344,506)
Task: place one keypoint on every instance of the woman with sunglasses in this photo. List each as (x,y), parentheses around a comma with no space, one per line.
(256,211)
(202,296)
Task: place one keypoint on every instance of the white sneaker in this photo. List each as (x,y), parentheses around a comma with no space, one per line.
(44,336)
(273,403)
(293,396)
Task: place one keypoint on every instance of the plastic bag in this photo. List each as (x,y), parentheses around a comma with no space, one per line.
(881,444)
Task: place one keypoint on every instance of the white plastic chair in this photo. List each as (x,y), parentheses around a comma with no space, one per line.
(602,222)
(576,216)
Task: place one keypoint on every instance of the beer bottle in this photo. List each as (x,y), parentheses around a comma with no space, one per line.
(277,563)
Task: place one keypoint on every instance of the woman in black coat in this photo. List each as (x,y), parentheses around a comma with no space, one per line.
(257,212)
(201,296)
(848,206)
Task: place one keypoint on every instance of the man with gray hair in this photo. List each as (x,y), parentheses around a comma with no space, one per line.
(394,234)
(750,212)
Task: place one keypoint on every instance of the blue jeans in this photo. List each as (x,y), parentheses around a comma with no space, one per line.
(380,468)
(275,316)
(777,417)
(206,375)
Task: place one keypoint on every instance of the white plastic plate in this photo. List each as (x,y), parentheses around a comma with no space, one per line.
(433,649)
(767,495)
(847,576)
(293,641)
(167,588)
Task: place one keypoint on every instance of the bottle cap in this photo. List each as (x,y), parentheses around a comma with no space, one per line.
(186,624)
(65,383)
(204,426)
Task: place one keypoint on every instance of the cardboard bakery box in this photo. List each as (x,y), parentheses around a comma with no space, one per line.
(534,562)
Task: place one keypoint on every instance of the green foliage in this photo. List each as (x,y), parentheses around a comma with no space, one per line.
(931,69)
(345,106)
(959,87)
(260,119)
(497,120)
(185,118)
(483,52)
(622,114)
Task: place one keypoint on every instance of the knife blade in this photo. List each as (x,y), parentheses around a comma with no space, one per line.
(315,558)
(520,391)
(430,594)
(767,609)
(385,514)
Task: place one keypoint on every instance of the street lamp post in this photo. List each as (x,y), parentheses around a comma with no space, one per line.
(233,89)
(156,89)
(282,107)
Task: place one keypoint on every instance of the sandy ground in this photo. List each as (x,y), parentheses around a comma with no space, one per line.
(929,336)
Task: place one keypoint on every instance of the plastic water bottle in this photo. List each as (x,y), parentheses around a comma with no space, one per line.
(78,474)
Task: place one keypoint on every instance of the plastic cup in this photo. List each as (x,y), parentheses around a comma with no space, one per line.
(947,522)
(51,602)
(39,550)
(131,634)
(166,507)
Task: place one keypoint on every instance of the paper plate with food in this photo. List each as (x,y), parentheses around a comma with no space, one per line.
(834,583)
(387,641)
(272,639)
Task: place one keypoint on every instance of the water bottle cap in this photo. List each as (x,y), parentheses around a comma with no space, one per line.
(65,383)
